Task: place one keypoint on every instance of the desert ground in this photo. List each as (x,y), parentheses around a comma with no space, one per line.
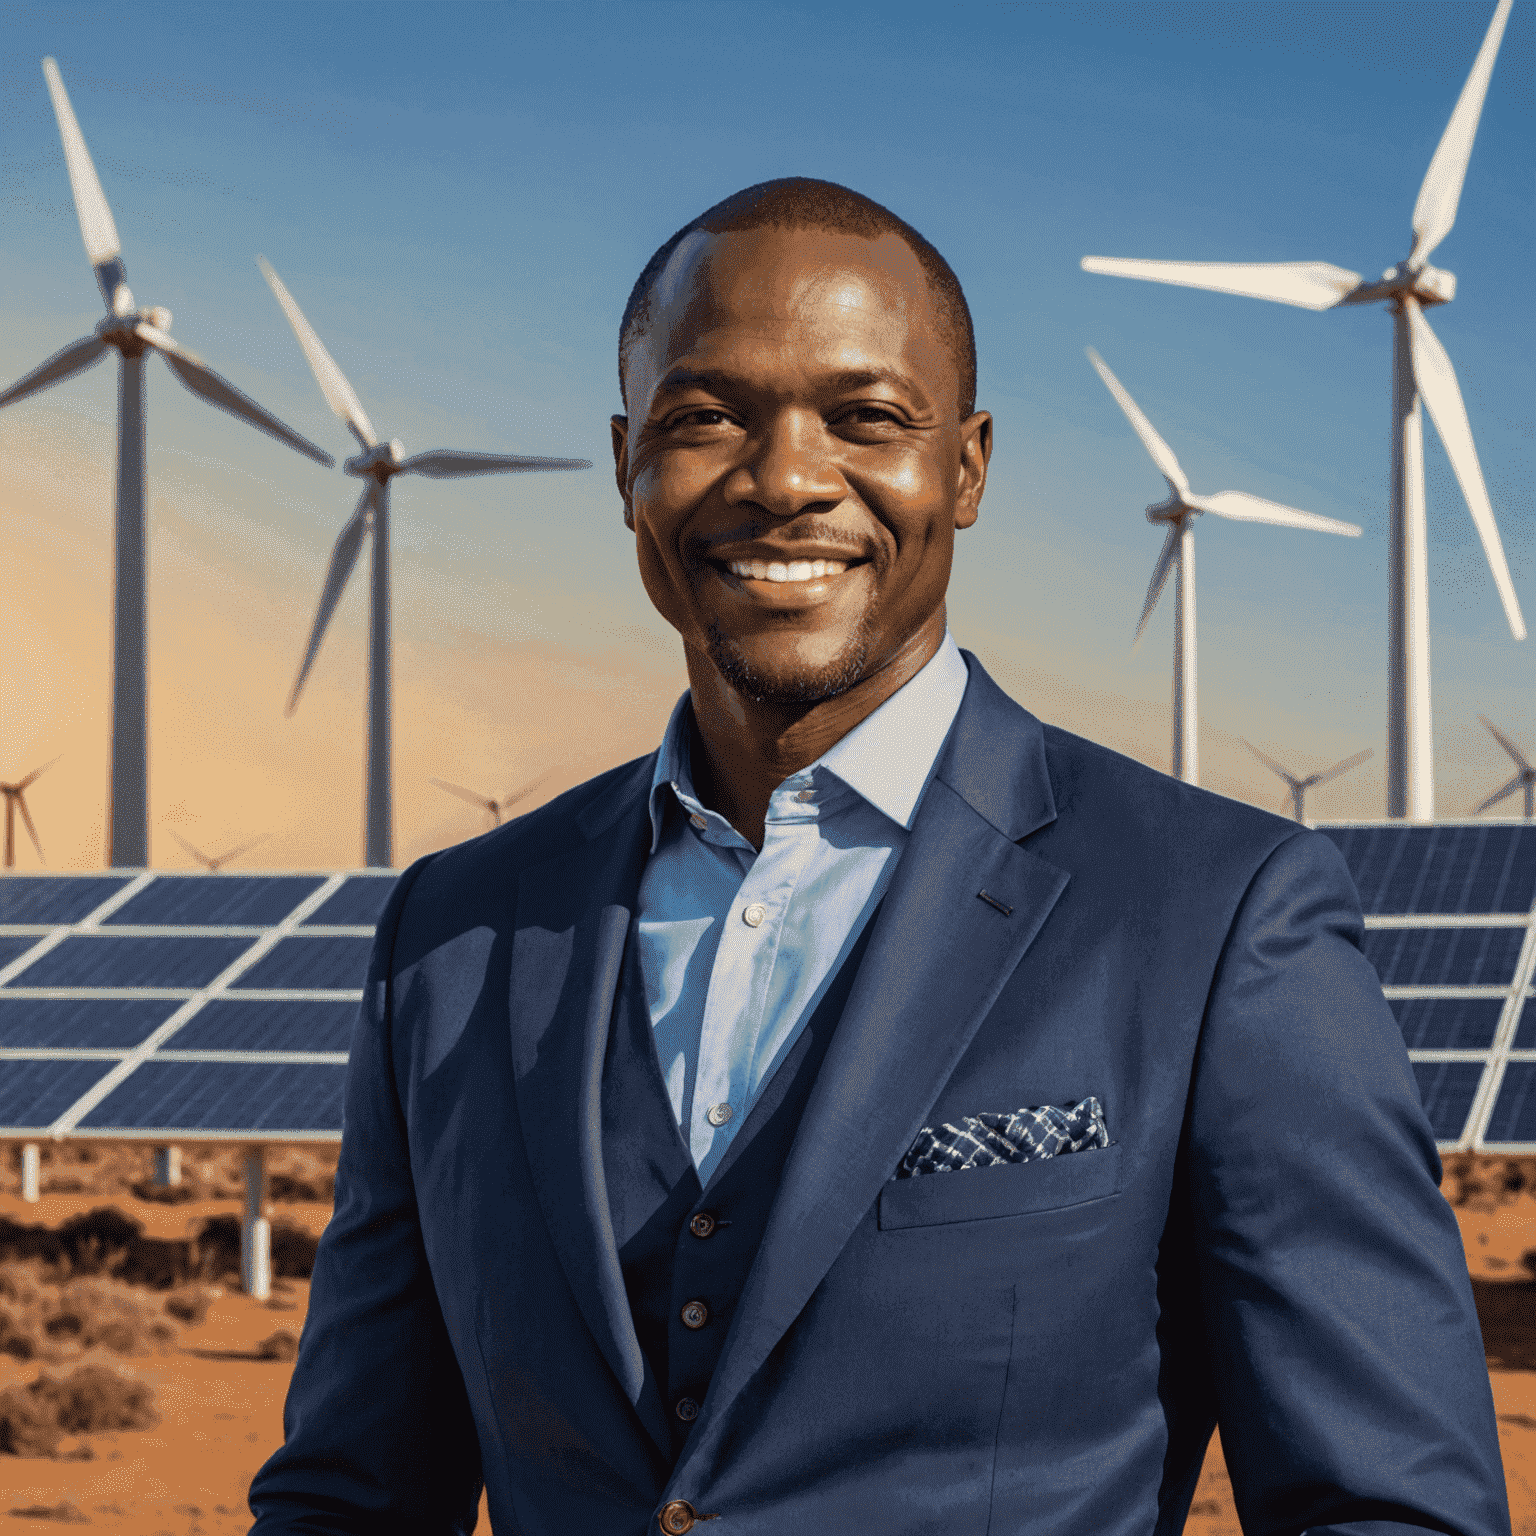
(216,1363)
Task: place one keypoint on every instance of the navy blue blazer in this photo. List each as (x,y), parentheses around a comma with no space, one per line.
(1037,1348)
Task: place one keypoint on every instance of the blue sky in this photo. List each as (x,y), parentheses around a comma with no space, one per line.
(460,195)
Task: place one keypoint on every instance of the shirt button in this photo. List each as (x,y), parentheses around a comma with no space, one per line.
(753,916)
(805,795)
(694,1314)
(718,1114)
(676,1518)
(702,1225)
(698,821)
(687,1409)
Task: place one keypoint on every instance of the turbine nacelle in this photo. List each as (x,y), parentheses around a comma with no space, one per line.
(1429,285)
(379,462)
(122,330)
(1171,509)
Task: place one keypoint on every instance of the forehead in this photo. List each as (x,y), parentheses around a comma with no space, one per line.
(783,302)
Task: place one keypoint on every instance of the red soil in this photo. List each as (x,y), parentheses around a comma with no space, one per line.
(221,1405)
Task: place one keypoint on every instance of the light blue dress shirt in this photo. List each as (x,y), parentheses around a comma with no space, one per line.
(737,947)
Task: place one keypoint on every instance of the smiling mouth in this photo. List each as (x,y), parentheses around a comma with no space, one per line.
(786,571)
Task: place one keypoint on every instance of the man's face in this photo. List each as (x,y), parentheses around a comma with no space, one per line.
(794,413)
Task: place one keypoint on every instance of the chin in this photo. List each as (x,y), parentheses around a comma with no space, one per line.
(788,680)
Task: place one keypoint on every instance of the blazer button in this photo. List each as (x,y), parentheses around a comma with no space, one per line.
(687,1409)
(694,1314)
(677,1517)
(702,1225)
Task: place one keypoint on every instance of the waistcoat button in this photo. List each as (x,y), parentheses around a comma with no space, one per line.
(718,1114)
(702,1225)
(694,1314)
(677,1517)
(753,916)
(687,1409)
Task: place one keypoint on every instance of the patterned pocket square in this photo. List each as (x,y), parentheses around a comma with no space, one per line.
(1021,1137)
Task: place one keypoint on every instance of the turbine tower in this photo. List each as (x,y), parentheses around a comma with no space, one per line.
(16,799)
(495,807)
(1524,779)
(376,465)
(213,863)
(133,333)
(1179,510)
(1298,787)
(1420,367)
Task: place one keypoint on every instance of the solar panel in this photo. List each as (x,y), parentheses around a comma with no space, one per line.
(236,900)
(1451,932)
(171,1006)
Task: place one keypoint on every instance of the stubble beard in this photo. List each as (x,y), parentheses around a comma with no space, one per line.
(790,689)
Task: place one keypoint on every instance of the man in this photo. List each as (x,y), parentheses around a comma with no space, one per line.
(876,1111)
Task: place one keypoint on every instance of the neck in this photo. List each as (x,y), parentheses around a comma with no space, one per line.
(743,750)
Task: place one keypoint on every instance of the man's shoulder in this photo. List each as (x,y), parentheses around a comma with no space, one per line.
(480,876)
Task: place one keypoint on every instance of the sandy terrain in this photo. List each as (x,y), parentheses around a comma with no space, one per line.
(221,1404)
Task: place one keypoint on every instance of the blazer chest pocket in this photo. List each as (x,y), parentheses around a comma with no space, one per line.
(1005,1189)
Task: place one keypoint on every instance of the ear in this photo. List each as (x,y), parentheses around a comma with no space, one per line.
(619,425)
(975,453)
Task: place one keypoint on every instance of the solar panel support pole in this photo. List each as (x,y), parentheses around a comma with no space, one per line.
(255,1229)
(167,1166)
(378,851)
(31,1171)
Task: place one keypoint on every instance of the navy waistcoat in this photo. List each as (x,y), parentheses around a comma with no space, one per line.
(686,1251)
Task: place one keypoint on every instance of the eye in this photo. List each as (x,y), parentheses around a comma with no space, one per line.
(700,416)
(870,416)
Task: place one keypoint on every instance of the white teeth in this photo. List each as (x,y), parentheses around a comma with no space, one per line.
(794,570)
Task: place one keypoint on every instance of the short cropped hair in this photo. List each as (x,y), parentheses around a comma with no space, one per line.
(802,202)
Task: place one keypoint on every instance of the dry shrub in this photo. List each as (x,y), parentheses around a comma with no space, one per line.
(218,1249)
(34,1419)
(1486,1180)
(191,1302)
(65,1513)
(108,1313)
(281,1346)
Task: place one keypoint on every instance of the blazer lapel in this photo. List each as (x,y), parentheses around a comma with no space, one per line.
(938,957)
(573,916)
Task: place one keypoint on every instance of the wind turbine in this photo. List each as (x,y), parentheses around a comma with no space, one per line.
(1525,779)
(1179,510)
(495,807)
(214,863)
(1419,367)
(133,333)
(376,465)
(15,798)
(1299,787)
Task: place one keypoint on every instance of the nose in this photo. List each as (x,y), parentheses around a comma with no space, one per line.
(791,470)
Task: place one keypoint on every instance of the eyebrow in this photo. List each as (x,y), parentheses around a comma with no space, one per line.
(716,381)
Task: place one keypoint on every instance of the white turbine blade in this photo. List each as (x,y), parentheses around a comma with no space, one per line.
(483,801)
(1344,767)
(339,394)
(217,390)
(1162,454)
(197,853)
(1243,508)
(74,358)
(527,789)
(234,853)
(1435,211)
(96,226)
(1268,762)
(1436,379)
(1307,284)
(450,463)
(1166,556)
(37,773)
(1501,794)
(1498,736)
(26,818)
(343,557)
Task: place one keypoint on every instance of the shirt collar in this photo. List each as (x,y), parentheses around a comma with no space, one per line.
(887,758)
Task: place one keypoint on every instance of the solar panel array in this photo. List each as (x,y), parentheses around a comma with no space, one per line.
(169,1007)
(1452,934)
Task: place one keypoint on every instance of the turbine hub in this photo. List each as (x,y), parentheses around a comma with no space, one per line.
(1169,510)
(379,463)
